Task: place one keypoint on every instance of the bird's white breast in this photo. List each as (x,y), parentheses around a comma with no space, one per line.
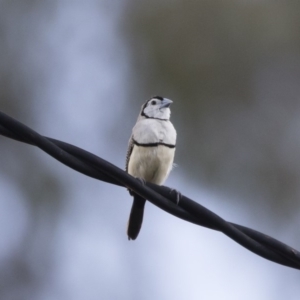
(154,131)
(153,164)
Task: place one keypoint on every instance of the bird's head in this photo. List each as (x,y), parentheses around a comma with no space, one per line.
(157,108)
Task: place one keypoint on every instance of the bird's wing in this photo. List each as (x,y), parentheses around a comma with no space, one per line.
(129,151)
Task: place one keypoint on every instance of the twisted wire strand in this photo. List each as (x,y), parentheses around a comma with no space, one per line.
(161,196)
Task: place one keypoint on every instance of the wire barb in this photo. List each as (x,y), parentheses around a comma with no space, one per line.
(161,196)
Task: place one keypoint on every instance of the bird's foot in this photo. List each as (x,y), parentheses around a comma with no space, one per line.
(178,195)
(143,181)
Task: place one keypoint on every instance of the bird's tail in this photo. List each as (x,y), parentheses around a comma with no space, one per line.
(136,217)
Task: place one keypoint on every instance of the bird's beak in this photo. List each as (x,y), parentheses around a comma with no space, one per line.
(165,103)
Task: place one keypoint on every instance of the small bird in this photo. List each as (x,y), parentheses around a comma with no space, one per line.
(150,153)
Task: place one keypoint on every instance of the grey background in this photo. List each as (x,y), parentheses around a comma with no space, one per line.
(79,71)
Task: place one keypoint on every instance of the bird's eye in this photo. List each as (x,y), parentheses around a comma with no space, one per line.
(153,102)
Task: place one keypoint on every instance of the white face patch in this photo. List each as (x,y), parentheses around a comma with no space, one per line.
(154,109)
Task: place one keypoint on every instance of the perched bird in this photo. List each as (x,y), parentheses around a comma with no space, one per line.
(150,153)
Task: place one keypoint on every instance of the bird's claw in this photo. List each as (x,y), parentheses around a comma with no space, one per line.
(143,181)
(178,195)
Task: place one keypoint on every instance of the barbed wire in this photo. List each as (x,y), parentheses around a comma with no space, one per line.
(161,196)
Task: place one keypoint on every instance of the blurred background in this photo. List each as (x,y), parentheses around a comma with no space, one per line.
(79,71)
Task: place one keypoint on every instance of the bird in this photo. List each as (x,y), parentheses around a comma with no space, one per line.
(150,154)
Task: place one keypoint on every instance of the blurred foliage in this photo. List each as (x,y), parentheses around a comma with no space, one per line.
(232,68)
